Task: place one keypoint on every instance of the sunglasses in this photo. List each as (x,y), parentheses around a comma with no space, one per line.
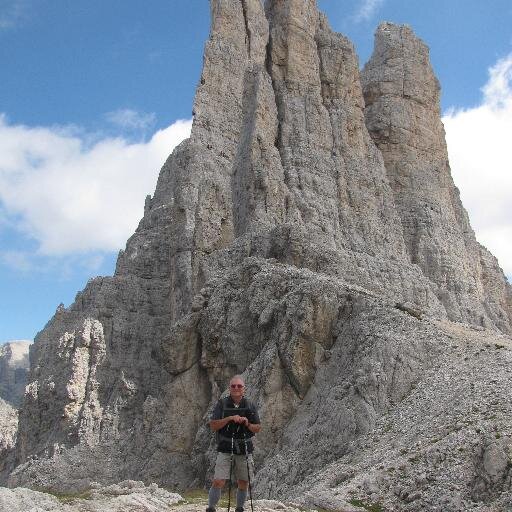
(236,386)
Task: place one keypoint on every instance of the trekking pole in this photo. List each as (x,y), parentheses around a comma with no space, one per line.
(230,473)
(248,470)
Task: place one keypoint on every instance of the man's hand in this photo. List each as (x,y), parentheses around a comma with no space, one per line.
(218,424)
(241,420)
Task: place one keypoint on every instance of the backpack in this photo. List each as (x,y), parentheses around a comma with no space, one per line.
(234,436)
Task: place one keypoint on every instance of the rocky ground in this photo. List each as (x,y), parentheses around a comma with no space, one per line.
(446,447)
(127,496)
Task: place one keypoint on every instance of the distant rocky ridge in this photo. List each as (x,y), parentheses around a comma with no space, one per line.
(307,234)
(14,367)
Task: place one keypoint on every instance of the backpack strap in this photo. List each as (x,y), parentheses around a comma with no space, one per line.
(224,402)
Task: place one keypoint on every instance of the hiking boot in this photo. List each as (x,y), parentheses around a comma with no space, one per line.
(210,509)
(239,509)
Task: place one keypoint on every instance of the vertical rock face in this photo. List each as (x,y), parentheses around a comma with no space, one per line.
(403,117)
(282,240)
(14,366)
(334,173)
(71,389)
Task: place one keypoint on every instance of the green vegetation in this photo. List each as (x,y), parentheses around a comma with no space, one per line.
(200,497)
(194,495)
(68,497)
(375,507)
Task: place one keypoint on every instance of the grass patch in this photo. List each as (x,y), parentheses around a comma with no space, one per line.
(64,497)
(200,497)
(193,495)
(375,507)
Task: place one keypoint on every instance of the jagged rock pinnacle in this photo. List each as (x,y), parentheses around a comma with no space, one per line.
(403,116)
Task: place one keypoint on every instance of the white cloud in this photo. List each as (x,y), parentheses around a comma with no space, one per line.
(74,196)
(367,9)
(16,260)
(129,119)
(59,267)
(481,160)
(12,13)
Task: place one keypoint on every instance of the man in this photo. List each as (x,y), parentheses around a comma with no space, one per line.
(236,420)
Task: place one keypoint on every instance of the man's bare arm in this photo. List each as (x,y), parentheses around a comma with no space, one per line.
(254,427)
(218,424)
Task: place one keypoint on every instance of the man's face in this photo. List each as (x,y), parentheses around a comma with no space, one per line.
(236,389)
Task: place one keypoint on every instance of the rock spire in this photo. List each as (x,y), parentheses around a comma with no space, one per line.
(404,119)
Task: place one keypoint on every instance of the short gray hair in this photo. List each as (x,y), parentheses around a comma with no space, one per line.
(237,377)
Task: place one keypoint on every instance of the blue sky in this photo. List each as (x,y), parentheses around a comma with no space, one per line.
(94,95)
